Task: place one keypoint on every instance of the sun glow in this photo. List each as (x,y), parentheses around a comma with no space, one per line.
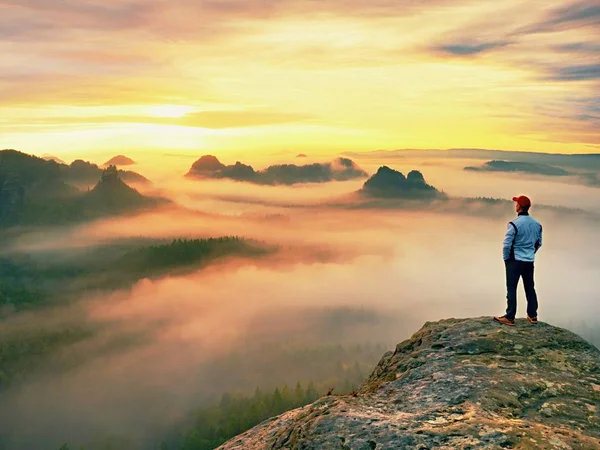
(171,111)
(262,76)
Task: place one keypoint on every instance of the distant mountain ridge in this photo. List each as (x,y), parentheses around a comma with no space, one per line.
(34,191)
(53,158)
(516,166)
(79,173)
(340,169)
(390,183)
(586,161)
(389,189)
(84,174)
(119,160)
(112,195)
(25,179)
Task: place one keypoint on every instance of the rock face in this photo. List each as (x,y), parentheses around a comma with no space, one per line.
(389,183)
(457,384)
(207,164)
(53,158)
(119,160)
(340,169)
(86,174)
(112,195)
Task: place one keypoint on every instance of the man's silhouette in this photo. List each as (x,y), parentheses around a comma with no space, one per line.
(522,240)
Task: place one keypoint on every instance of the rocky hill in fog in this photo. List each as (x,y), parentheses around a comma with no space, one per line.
(119,160)
(521,167)
(112,195)
(340,169)
(34,191)
(391,184)
(85,174)
(457,384)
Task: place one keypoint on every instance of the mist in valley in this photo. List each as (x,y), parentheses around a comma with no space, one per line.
(139,359)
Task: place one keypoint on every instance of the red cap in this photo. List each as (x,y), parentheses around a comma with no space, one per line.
(522,200)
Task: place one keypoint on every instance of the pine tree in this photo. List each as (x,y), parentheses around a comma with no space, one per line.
(277,407)
(225,402)
(347,386)
(311,393)
(258,395)
(357,375)
(298,394)
(287,397)
(339,369)
(263,411)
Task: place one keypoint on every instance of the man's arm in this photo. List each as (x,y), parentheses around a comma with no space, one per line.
(508,241)
(538,243)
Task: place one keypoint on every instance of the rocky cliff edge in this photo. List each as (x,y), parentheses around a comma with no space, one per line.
(457,384)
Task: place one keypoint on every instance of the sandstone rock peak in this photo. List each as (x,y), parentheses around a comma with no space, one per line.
(110,175)
(119,160)
(457,384)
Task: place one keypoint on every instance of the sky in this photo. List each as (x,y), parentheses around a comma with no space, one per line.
(86,77)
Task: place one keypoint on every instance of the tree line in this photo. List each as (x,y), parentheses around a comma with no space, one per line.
(233,414)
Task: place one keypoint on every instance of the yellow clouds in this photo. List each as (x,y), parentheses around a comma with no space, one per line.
(325,75)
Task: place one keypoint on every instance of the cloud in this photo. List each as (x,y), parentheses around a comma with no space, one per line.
(591,179)
(218,119)
(271,63)
(586,117)
(577,73)
(87,14)
(485,33)
(184,19)
(579,47)
(236,119)
(572,16)
(166,346)
(161,348)
(554,47)
(461,49)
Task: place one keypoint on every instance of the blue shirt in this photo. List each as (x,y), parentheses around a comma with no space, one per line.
(524,235)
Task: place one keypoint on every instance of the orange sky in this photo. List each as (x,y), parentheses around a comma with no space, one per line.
(84,77)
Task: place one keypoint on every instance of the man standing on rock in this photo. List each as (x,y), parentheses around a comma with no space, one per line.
(522,240)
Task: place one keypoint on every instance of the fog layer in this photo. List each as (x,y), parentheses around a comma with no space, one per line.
(152,351)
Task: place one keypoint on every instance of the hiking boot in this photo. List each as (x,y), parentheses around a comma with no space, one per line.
(532,320)
(505,321)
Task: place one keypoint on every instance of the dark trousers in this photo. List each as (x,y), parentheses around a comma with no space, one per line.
(515,270)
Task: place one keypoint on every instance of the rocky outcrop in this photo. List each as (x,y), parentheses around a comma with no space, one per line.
(457,384)
(85,174)
(340,169)
(119,160)
(112,195)
(110,175)
(207,164)
(389,183)
(56,159)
